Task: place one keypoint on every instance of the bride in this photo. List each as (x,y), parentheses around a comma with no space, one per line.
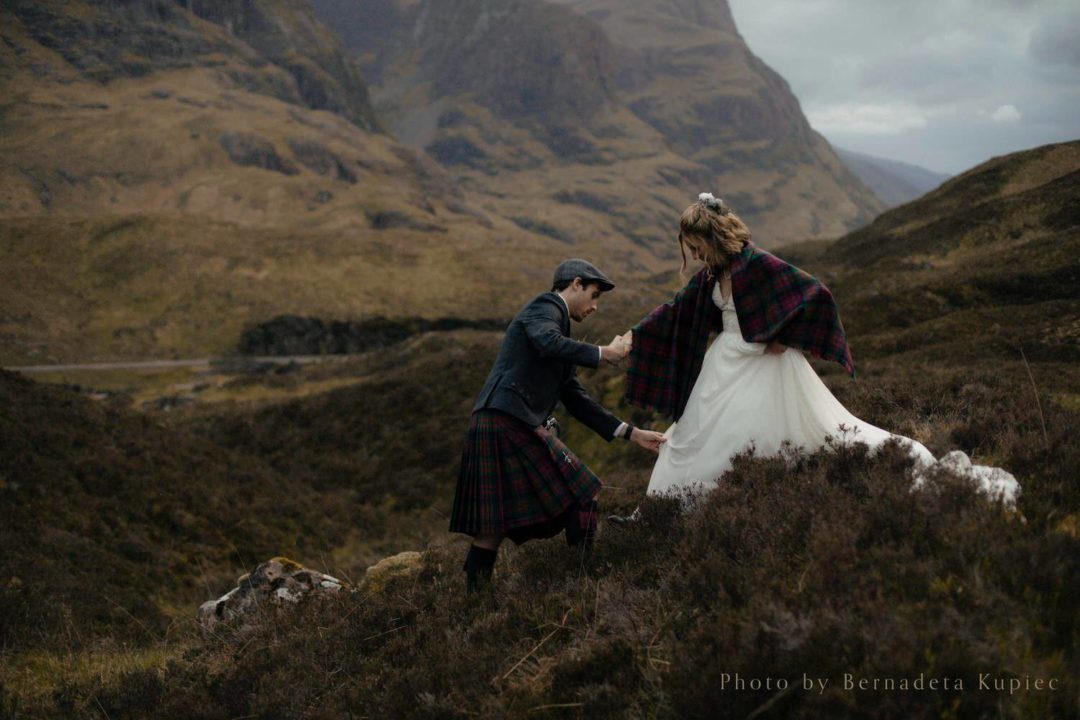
(753,386)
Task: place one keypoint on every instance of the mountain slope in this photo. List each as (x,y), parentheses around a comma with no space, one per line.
(979,269)
(168,176)
(621,112)
(894,182)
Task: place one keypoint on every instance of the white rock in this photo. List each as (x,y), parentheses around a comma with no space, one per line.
(278,580)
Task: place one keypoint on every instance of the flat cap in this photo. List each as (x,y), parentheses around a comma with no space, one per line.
(576,267)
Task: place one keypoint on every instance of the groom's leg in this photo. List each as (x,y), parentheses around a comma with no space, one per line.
(480,562)
(581,525)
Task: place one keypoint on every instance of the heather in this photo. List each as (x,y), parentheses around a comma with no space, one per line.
(822,564)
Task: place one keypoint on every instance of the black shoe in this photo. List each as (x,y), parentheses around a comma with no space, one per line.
(625,520)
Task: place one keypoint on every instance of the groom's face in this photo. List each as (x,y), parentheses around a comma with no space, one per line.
(581,300)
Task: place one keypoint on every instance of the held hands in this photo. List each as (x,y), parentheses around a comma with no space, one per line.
(648,439)
(617,349)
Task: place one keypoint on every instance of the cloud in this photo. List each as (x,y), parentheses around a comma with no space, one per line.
(1006,114)
(1054,41)
(939,82)
(867,119)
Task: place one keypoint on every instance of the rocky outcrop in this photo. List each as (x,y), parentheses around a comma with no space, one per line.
(662,94)
(287,33)
(561,68)
(253,150)
(284,51)
(402,566)
(281,581)
(276,581)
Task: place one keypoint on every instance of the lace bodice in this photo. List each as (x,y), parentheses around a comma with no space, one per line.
(727,309)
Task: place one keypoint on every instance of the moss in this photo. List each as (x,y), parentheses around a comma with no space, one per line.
(288,565)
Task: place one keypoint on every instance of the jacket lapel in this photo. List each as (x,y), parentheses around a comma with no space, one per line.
(563,313)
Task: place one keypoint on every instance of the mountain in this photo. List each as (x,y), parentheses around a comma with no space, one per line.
(171,172)
(894,182)
(605,118)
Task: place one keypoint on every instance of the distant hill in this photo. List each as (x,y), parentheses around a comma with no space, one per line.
(894,182)
(982,267)
(602,118)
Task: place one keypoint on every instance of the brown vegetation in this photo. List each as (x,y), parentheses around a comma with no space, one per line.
(822,564)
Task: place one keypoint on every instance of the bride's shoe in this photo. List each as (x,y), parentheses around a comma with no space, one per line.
(624,520)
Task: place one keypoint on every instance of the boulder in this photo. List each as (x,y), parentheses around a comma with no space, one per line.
(278,581)
(402,565)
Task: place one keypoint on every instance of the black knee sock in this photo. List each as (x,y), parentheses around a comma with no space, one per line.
(478,566)
(581,525)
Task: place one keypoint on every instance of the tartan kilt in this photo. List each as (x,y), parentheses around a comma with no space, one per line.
(517,481)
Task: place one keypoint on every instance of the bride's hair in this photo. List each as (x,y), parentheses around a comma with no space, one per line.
(722,231)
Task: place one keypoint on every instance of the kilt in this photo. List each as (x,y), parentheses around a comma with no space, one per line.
(517,481)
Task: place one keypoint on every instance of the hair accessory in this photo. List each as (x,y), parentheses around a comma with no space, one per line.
(713,203)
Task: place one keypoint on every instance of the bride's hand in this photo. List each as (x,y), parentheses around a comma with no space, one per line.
(775,348)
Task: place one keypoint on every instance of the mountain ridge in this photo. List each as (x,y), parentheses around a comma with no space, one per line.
(893,181)
(684,107)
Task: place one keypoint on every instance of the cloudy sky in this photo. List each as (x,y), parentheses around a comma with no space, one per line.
(944,84)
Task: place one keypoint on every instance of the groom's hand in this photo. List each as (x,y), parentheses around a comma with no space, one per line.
(648,439)
(616,350)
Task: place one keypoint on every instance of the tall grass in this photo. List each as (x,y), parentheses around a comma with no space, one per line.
(824,564)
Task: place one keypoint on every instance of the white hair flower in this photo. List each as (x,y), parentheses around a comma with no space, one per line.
(713,203)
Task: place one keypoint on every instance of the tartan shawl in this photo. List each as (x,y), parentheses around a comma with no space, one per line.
(774,301)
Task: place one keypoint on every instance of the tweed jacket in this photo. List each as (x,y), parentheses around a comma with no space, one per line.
(536,368)
(774,301)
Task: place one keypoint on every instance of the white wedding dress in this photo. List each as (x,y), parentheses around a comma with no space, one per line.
(744,398)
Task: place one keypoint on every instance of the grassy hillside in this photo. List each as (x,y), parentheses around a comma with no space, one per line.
(117,523)
(976,271)
(113,525)
(158,287)
(829,566)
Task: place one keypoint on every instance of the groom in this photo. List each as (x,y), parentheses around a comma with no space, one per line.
(517,479)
